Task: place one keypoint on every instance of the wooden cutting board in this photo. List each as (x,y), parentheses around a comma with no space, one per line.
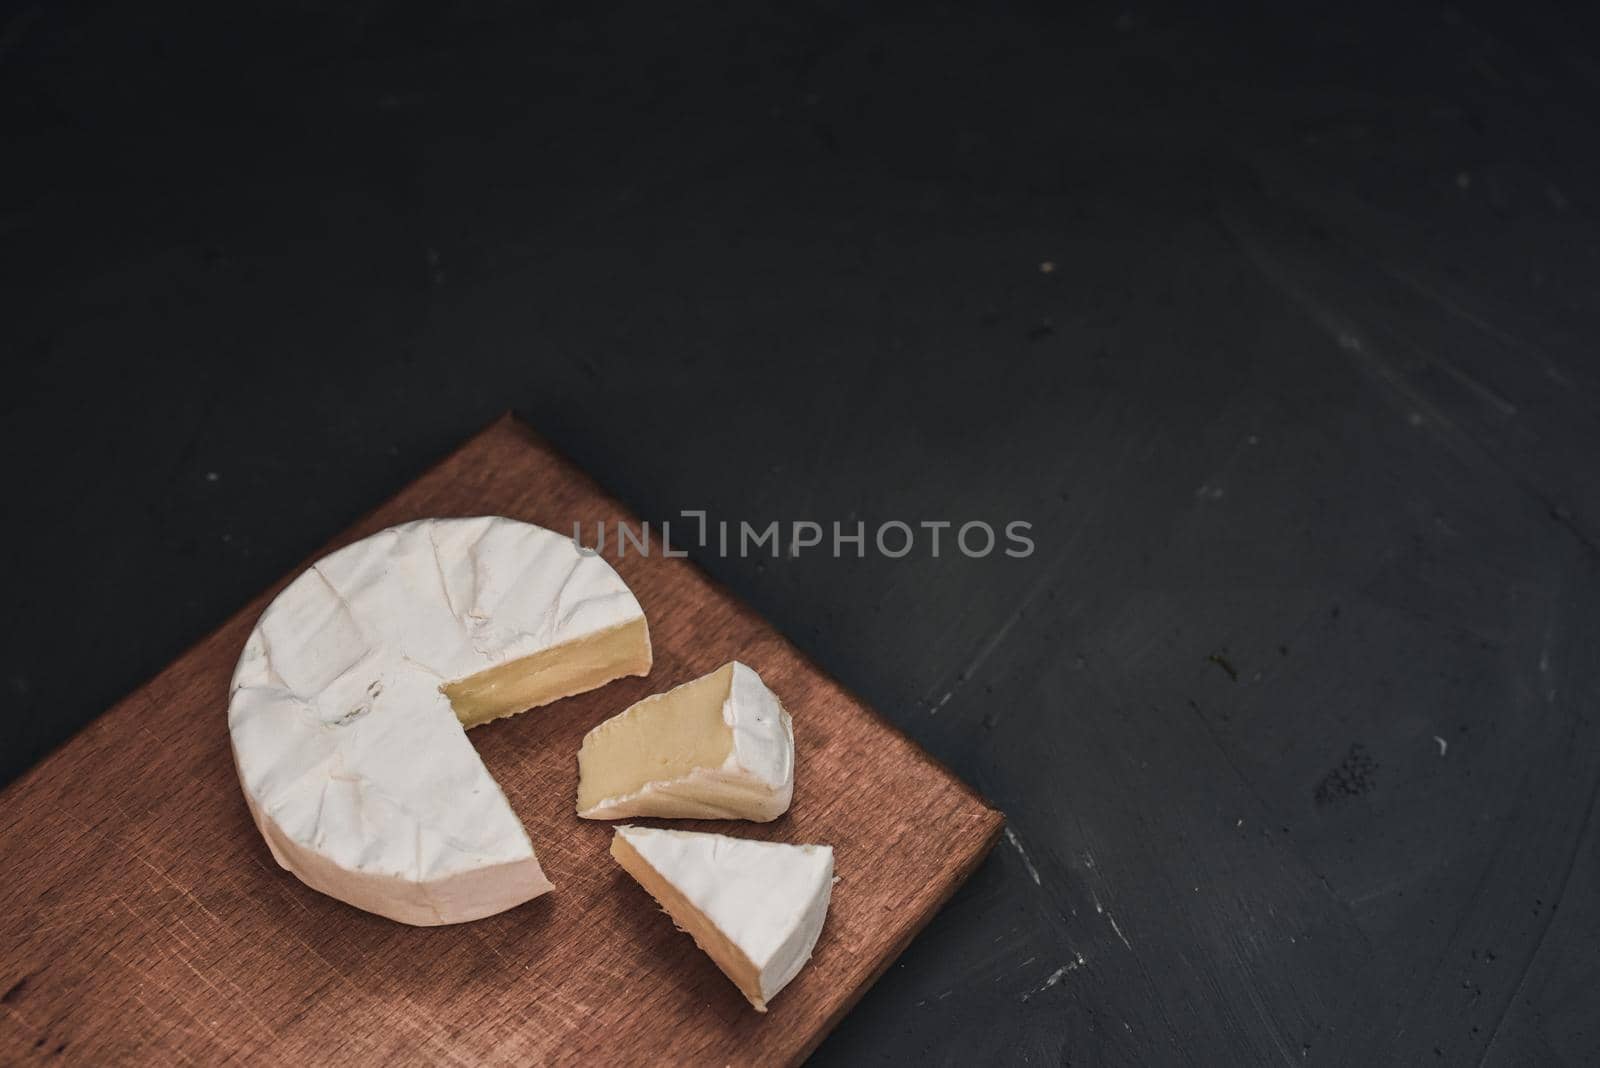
(142,918)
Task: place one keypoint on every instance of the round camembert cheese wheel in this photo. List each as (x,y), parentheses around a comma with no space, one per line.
(349,707)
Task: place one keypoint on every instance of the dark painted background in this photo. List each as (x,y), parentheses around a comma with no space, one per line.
(1294,709)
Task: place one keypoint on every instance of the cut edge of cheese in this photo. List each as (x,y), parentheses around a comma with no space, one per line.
(755,908)
(549,675)
(718,747)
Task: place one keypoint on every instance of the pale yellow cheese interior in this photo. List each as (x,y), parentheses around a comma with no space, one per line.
(716,945)
(661,738)
(551,674)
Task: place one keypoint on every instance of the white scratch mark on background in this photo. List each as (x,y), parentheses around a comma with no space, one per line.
(1101,910)
(1443,745)
(1055,977)
(1016,843)
(1113,921)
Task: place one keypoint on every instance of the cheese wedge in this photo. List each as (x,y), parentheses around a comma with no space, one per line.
(349,707)
(755,908)
(720,747)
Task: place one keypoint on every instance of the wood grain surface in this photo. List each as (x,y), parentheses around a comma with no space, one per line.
(143,920)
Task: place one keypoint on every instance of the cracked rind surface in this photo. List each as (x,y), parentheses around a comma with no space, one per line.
(353,763)
(755,908)
(754,782)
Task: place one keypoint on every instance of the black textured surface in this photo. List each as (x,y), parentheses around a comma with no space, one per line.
(1293,710)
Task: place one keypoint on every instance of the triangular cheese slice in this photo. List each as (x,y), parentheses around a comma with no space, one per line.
(350,703)
(755,908)
(720,747)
